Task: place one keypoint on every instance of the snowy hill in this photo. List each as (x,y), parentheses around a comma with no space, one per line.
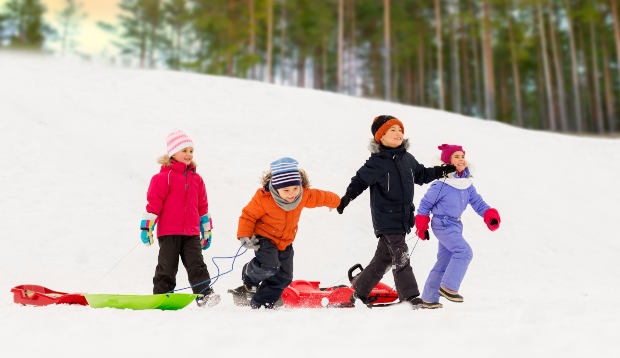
(81,142)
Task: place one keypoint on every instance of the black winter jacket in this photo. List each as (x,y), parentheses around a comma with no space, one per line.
(390,173)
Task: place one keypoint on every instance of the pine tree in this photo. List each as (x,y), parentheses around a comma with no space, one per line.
(24,24)
(69,19)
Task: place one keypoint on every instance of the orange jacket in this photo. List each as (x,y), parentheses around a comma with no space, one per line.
(262,216)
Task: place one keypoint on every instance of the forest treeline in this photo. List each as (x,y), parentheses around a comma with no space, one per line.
(539,64)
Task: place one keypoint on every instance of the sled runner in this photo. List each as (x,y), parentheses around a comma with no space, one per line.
(42,296)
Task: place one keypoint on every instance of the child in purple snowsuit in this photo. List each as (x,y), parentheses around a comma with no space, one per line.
(447,199)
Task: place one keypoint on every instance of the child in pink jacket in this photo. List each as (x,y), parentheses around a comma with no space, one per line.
(177,203)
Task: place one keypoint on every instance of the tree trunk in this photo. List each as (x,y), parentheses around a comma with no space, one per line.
(543,45)
(456,74)
(252,36)
(596,81)
(542,104)
(515,72)
(231,40)
(269,75)
(438,39)
(559,77)
(609,100)
(489,72)
(301,66)
(352,86)
(479,102)
(284,73)
(614,14)
(466,70)
(421,72)
(588,107)
(340,44)
(387,59)
(574,73)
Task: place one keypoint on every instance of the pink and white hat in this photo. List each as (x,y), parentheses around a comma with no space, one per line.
(177,141)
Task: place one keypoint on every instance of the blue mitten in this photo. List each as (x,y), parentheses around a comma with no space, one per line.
(146,225)
(206,225)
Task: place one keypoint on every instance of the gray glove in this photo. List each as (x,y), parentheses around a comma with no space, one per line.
(249,243)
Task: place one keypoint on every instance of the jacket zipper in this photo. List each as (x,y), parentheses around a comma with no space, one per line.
(185,204)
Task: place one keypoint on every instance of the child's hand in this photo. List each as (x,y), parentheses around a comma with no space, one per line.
(442,171)
(146,225)
(492,219)
(344,201)
(249,243)
(205,240)
(206,225)
(421,226)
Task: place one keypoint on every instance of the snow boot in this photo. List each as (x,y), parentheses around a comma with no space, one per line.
(414,301)
(242,295)
(209,299)
(365,300)
(454,297)
(431,305)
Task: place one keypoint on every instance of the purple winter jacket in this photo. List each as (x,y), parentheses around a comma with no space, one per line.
(450,198)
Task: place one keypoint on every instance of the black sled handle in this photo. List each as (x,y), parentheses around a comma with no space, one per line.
(353,268)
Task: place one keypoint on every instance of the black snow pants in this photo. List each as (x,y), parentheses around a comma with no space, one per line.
(188,248)
(271,270)
(392,252)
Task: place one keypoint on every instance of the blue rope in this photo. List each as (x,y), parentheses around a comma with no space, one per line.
(215,278)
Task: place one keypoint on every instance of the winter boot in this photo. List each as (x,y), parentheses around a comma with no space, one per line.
(243,294)
(209,299)
(268,306)
(365,300)
(414,301)
(454,297)
(431,305)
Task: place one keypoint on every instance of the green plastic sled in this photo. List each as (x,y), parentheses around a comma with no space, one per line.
(168,301)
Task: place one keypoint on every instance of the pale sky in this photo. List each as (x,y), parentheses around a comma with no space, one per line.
(91,39)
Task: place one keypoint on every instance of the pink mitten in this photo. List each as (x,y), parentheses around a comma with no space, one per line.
(492,219)
(421,226)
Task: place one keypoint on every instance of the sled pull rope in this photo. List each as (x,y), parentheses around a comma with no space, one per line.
(436,198)
(110,270)
(214,279)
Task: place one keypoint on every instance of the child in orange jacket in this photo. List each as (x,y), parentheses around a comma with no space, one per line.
(268,225)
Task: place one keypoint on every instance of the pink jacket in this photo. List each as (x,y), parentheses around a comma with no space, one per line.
(177,195)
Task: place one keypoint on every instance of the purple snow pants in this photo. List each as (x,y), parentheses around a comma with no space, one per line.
(453,258)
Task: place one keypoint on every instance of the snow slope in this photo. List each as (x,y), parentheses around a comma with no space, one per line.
(80,143)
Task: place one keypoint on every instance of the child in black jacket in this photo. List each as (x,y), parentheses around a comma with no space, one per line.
(390,172)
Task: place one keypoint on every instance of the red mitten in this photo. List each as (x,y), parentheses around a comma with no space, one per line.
(492,219)
(421,226)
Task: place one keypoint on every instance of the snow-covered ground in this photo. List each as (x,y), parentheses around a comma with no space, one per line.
(80,144)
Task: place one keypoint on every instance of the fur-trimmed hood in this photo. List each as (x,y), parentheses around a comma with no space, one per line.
(166,161)
(374,147)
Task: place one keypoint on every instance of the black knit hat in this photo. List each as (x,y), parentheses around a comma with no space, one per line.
(382,123)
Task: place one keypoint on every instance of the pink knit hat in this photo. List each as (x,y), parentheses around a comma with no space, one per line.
(177,141)
(447,150)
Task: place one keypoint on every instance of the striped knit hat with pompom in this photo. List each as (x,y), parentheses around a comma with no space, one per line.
(284,172)
(177,141)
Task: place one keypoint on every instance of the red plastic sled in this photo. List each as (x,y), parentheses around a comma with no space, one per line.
(41,296)
(308,294)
